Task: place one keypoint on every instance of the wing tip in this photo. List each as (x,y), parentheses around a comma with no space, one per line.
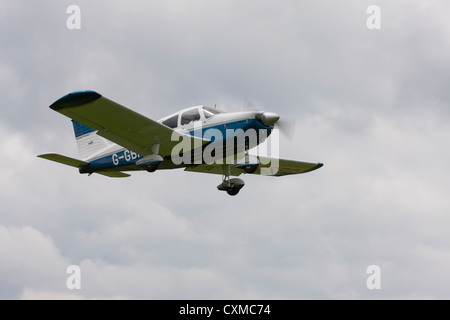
(76,98)
(318,166)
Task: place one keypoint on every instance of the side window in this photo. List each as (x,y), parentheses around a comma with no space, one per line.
(207,113)
(172,122)
(189,116)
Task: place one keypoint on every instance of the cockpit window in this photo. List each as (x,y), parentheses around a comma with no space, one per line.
(213,110)
(209,112)
(172,122)
(189,116)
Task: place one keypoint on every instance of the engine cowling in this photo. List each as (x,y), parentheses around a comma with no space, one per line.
(267,118)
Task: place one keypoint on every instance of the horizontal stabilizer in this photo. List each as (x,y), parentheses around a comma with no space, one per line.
(64,160)
(79,163)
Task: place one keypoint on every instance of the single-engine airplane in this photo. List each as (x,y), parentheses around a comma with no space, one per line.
(112,138)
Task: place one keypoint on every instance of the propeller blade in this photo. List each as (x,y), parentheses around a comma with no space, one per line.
(286,127)
(250,106)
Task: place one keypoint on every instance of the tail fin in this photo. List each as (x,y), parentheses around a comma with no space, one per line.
(88,142)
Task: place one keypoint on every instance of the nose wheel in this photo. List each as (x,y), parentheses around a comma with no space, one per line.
(231,186)
(233,192)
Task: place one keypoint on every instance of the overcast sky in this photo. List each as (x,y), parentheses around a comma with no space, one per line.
(372,105)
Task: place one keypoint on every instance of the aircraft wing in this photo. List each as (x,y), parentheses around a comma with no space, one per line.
(268,166)
(120,124)
(285,167)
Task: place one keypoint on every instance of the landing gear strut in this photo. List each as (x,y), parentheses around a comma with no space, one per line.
(250,164)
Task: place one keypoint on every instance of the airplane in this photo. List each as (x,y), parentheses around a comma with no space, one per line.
(112,139)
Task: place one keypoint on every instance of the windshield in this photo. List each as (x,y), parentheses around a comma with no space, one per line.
(189,116)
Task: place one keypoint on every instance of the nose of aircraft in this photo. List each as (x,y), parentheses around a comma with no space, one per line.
(267,118)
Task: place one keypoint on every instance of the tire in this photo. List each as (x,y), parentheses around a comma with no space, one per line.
(249,169)
(152,168)
(233,191)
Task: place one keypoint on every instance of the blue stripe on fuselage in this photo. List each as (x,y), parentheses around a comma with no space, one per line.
(123,157)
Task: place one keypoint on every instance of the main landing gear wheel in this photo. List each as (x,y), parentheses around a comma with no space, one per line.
(251,162)
(152,167)
(250,168)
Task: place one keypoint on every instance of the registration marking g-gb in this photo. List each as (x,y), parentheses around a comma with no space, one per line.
(127,155)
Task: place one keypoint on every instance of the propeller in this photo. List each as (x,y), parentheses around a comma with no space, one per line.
(285,125)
